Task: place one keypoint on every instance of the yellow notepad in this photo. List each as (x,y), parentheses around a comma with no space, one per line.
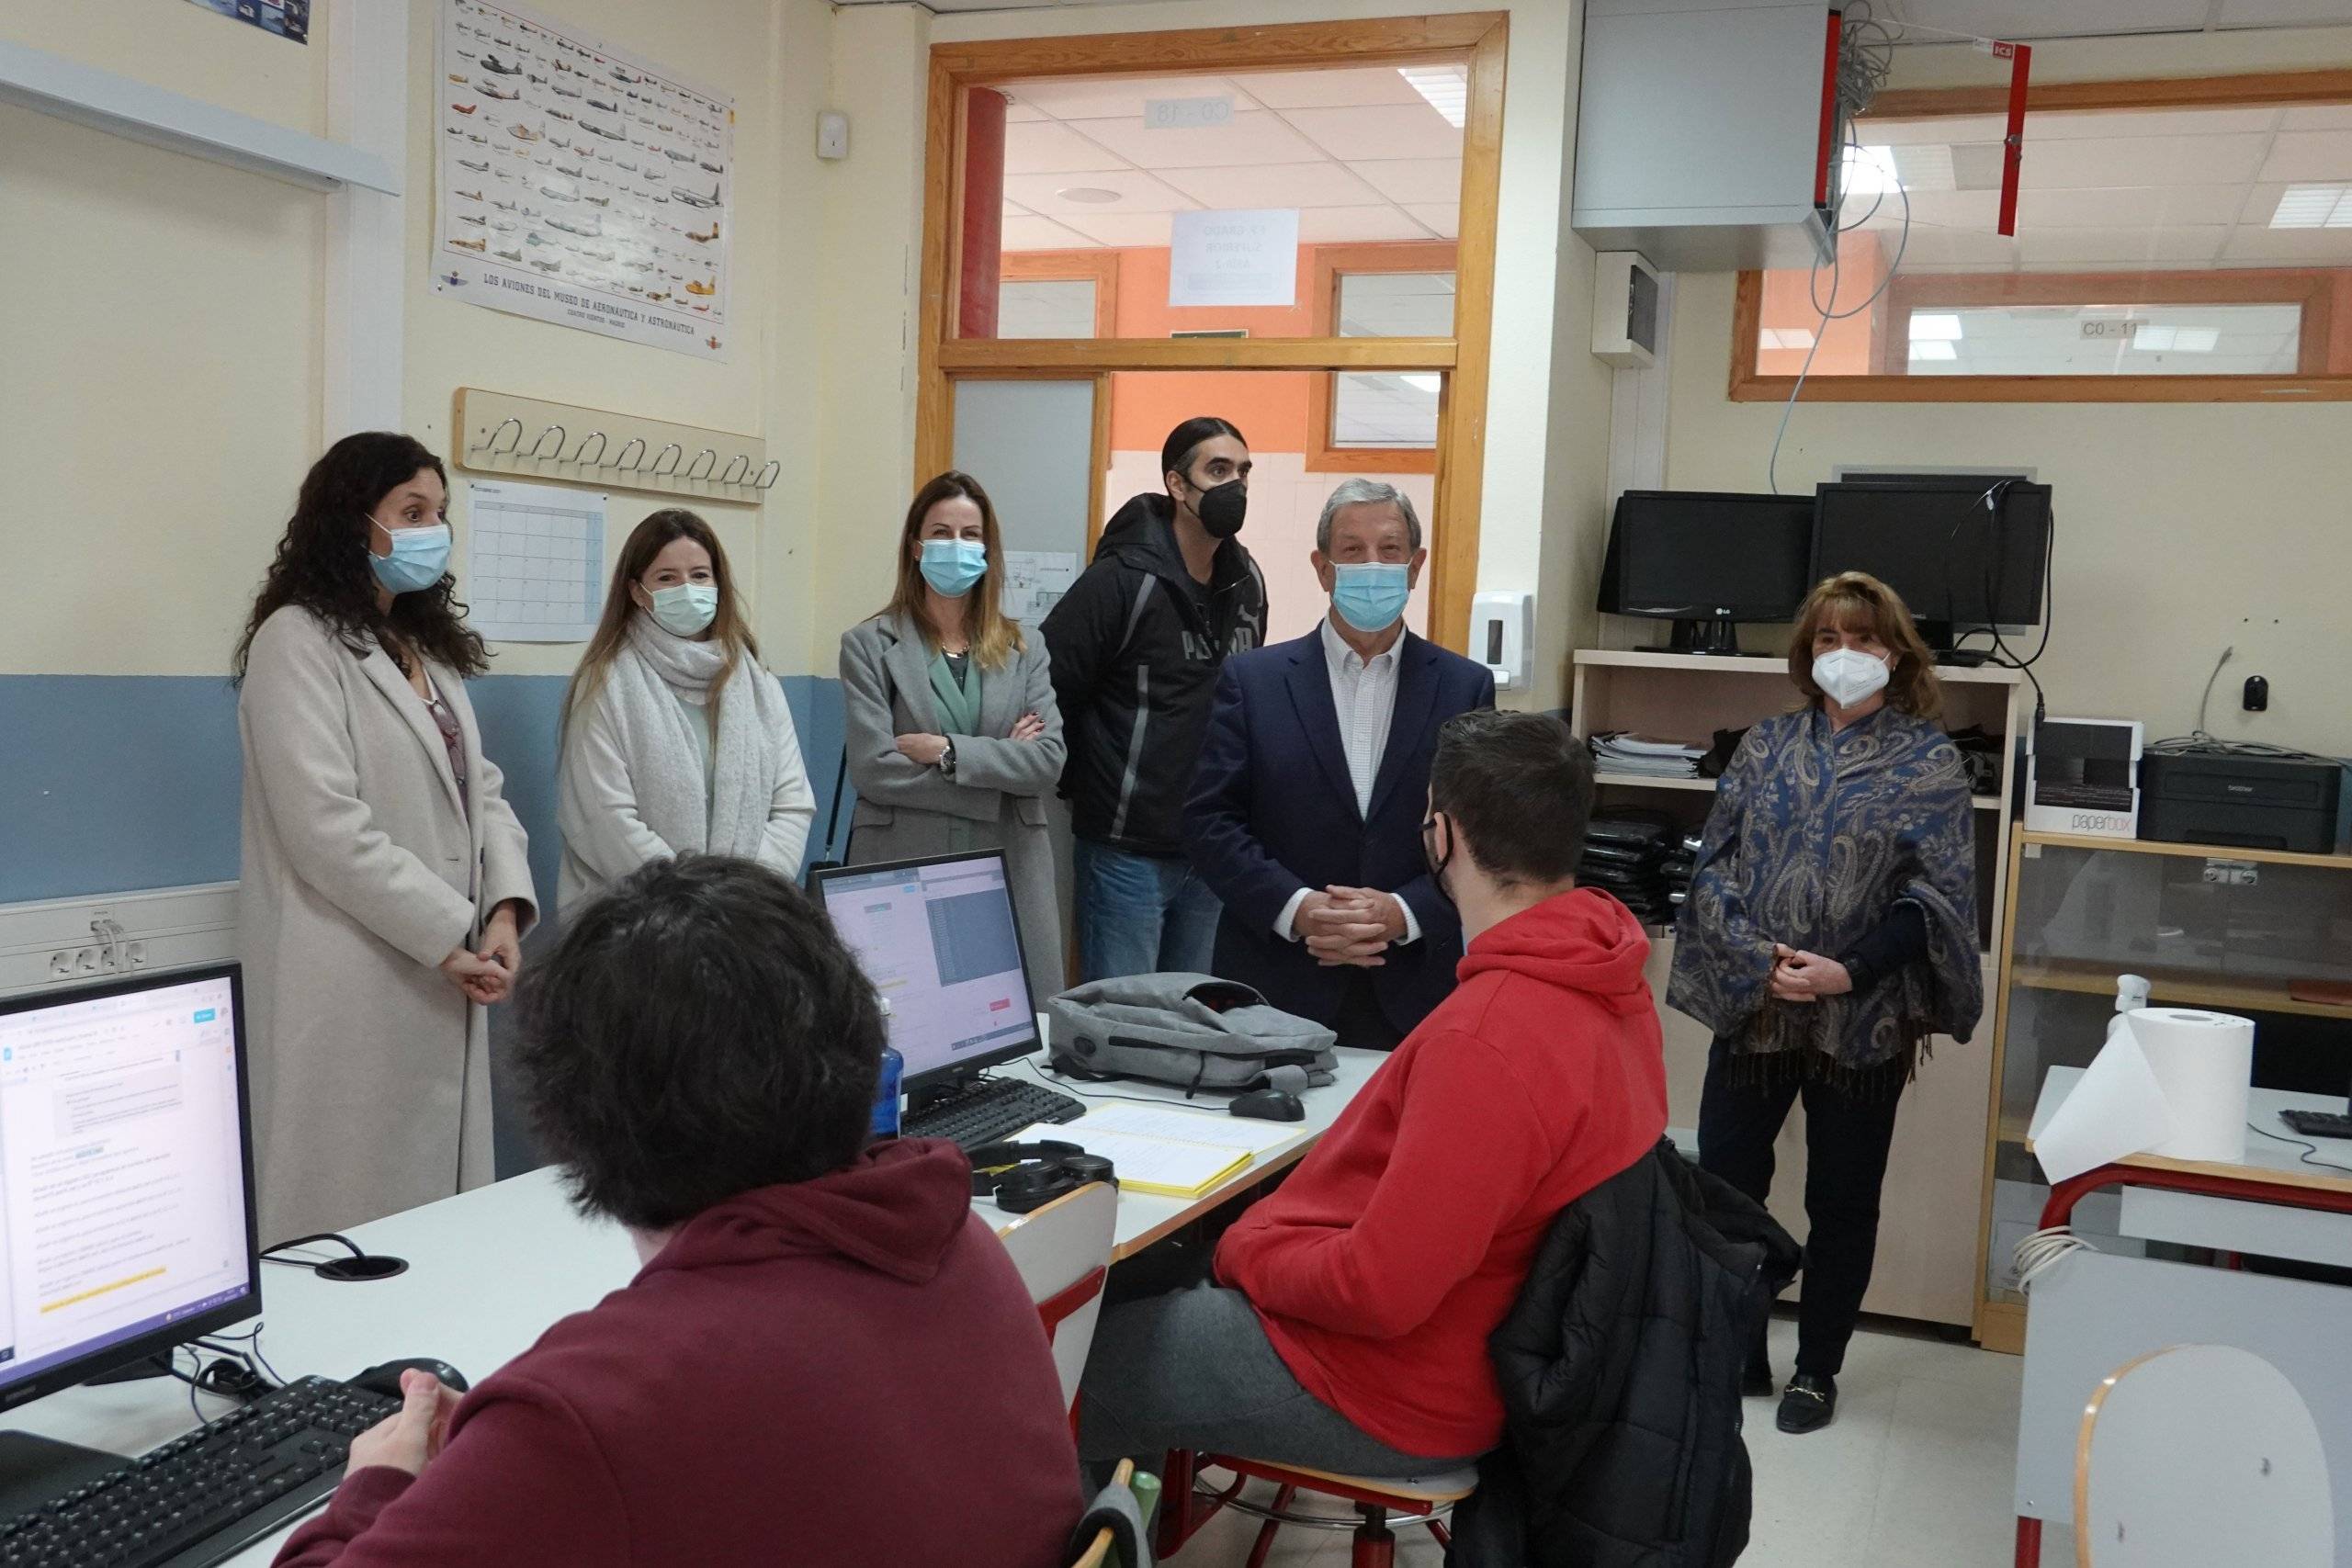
(1172,1153)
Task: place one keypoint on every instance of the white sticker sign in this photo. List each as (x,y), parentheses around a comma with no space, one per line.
(1185,114)
(1234,258)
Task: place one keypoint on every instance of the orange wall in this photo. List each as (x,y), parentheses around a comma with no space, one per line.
(1846,346)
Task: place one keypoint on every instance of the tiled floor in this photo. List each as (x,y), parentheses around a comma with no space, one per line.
(1914,1473)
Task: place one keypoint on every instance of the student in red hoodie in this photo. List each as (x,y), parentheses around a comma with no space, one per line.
(828,1358)
(1346,1329)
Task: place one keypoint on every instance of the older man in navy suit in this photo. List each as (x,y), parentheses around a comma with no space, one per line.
(1306,806)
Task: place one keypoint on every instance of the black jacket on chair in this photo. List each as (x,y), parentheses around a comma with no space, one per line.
(1621,1368)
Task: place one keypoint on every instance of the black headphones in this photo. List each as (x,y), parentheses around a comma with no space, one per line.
(1026,1177)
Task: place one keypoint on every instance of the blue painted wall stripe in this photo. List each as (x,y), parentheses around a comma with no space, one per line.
(113,783)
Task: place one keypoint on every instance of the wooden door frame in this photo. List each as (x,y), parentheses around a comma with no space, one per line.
(1332,264)
(1479,40)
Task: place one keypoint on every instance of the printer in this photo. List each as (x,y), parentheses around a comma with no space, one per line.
(2240,800)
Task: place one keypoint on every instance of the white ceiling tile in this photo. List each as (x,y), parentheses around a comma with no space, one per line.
(1137,192)
(1342,88)
(1984,249)
(2137,206)
(1431,180)
(2275,246)
(2317,117)
(1254,136)
(1356,225)
(1440,218)
(1045,147)
(2081,125)
(1146,230)
(2309,156)
(1021,114)
(2282,13)
(1029,232)
(1380,131)
(1119,97)
(2046,19)
(1936,208)
(1014,209)
(2122,249)
(1873,131)
(2262,201)
(1323,184)
(2142,161)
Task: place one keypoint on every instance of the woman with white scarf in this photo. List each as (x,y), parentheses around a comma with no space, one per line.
(675,740)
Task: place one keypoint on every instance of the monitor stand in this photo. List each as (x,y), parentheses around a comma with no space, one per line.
(33,1470)
(1716,636)
(1937,635)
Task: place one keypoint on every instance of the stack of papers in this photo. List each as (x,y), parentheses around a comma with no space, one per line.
(1622,752)
(1174,1153)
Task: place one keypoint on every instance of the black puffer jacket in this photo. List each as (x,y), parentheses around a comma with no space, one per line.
(1134,663)
(1621,1368)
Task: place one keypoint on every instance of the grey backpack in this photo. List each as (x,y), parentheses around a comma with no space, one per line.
(1193,1030)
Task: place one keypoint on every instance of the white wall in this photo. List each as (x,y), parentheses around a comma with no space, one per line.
(2182,528)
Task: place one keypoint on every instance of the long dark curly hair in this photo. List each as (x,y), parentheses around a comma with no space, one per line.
(322,562)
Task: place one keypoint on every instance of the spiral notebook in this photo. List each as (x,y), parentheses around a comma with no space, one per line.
(1171,1151)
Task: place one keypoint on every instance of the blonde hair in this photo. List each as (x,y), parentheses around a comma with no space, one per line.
(729,628)
(1855,601)
(995,637)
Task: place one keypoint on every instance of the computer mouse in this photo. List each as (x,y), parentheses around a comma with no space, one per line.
(384,1378)
(1269,1105)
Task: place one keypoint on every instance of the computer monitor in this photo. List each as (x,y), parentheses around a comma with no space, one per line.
(941,941)
(1963,550)
(126,1175)
(1707,560)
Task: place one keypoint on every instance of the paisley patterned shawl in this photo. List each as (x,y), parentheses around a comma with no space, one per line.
(1816,836)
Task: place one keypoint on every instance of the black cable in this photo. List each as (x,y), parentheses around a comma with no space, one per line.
(2308,1149)
(1061,1081)
(269,1254)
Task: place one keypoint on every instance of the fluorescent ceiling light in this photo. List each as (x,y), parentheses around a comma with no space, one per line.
(1421,383)
(1798,338)
(1869,170)
(1934,349)
(1935,328)
(2314,207)
(1089,196)
(1924,165)
(1447,88)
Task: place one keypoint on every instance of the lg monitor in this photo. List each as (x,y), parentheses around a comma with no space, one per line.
(1963,551)
(1707,560)
(940,939)
(127,1210)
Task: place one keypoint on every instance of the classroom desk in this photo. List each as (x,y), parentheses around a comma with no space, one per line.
(2093,1312)
(490,1270)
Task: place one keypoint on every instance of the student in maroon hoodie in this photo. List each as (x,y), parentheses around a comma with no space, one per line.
(1347,1326)
(828,1358)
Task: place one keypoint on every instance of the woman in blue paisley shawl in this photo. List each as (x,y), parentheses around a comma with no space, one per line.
(1829,933)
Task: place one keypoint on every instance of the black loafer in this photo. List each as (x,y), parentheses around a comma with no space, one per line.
(1756,1383)
(1808,1402)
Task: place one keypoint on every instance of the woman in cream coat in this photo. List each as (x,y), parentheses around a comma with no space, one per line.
(954,742)
(386,886)
(675,740)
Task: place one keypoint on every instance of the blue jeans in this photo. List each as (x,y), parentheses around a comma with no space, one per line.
(1141,914)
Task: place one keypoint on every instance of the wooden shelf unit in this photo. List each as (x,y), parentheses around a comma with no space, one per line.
(1927,1248)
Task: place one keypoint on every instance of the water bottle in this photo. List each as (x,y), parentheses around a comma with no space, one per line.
(886,1097)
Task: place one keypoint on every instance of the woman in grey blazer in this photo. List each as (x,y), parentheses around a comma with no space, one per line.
(385,886)
(954,742)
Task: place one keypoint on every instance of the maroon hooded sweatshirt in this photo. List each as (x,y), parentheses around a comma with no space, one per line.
(1400,1242)
(841,1372)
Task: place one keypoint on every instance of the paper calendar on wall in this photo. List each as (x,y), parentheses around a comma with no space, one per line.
(536,567)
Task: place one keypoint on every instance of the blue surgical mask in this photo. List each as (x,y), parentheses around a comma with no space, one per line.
(419,559)
(1370,594)
(951,566)
(686,609)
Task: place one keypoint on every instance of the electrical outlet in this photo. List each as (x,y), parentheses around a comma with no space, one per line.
(60,966)
(86,961)
(137,953)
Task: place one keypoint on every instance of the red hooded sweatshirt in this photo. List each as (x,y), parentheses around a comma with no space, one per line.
(842,1371)
(1401,1241)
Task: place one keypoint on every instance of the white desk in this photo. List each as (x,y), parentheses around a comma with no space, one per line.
(492,1270)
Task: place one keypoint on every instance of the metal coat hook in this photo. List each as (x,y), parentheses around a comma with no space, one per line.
(561,434)
(638,442)
(768,475)
(705,451)
(657,470)
(582,456)
(492,444)
(730,478)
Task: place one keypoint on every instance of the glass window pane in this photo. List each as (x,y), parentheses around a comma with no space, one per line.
(1395,304)
(1035,308)
(2106,340)
(1384,410)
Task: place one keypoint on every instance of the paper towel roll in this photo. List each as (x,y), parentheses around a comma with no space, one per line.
(2204,1061)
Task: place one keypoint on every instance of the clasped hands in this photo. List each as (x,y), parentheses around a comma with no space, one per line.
(487,974)
(925,750)
(1349,926)
(1806,977)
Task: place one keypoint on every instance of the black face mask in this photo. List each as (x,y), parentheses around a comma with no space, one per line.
(1437,863)
(1221,508)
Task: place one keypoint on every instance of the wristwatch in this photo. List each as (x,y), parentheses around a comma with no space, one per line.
(947,760)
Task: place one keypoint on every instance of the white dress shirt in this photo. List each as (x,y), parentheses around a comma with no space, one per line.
(1363,695)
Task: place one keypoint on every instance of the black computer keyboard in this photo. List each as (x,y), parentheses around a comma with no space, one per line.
(994,1110)
(205,1498)
(2318,1123)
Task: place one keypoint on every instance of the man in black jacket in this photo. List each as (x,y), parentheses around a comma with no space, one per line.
(1136,646)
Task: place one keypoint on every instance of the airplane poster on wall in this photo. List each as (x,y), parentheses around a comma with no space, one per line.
(580,183)
(287,18)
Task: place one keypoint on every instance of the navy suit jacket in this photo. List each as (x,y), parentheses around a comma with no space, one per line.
(1274,811)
